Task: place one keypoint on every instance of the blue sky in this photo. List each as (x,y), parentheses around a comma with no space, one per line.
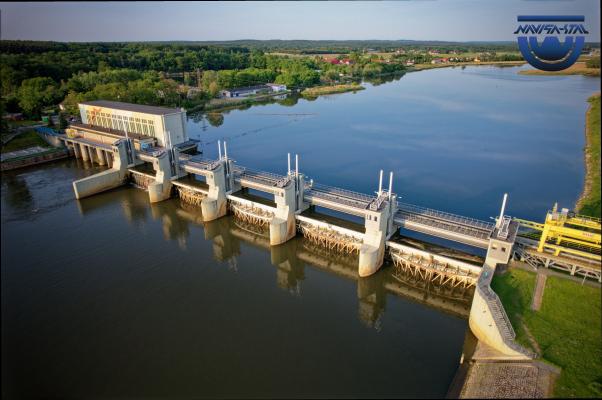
(454,20)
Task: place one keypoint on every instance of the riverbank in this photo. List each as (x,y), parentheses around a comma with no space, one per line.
(22,141)
(589,201)
(579,68)
(421,67)
(566,328)
(320,90)
(31,156)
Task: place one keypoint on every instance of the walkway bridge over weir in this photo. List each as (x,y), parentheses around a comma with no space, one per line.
(216,186)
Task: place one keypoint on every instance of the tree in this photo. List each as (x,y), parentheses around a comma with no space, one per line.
(36,93)
(213,89)
(63,124)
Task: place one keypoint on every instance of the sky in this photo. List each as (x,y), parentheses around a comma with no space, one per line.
(449,20)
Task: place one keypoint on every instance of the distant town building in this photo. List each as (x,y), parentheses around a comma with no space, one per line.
(276,87)
(107,121)
(246,91)
(253,90)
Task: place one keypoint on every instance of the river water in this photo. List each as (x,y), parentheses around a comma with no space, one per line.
(113,296)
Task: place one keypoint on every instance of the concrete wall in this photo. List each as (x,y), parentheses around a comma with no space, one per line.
(105,180)
(488,319)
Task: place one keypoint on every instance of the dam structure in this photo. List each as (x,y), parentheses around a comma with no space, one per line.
(148,147)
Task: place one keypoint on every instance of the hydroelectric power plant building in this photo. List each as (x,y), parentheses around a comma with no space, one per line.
(149,147)
(166,125)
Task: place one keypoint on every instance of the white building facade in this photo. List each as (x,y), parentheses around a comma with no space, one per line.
(166,125)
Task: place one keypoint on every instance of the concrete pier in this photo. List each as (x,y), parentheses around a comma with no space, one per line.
(84,152)
(282,225)
(100,157)
(76,151)
(372,252)
(105,180)
(215,205)
(160,189)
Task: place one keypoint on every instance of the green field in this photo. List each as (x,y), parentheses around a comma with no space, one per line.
(579,68)
(566,328)
(23,141)
(589,204)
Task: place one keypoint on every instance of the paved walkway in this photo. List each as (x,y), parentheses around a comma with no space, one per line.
(490,374)
(506,380)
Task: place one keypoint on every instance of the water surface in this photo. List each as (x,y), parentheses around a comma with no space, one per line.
(112,296)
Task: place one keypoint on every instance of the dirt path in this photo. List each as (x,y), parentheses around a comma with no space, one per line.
(540,285)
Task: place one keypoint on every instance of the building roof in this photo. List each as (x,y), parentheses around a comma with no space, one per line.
(111,132)
(141,108)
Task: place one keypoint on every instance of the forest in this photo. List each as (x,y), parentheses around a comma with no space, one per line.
(36,75)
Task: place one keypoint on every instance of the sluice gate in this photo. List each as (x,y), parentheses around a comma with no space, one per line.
(446,292)
(140,179)
(431,270)
(190,196)
(329,238)
(250,213)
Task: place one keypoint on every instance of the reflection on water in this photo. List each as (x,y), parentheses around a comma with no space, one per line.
(290,259)
(112,296)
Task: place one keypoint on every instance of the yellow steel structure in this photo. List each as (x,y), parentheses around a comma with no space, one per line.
(567,232)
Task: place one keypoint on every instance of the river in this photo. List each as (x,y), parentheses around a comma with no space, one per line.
(110,296)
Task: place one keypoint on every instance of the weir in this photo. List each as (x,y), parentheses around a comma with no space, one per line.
(160,165)
(222,192)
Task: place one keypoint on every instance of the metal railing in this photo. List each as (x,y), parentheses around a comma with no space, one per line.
(445,216)
(343,193)
(310,195)
(261,177)
(402,216)
(199,162)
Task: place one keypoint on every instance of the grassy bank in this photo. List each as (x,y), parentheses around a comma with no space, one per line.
(231,103)
(579,68)
(420,67)
(589,202)
(23,141)
(319,90)
(566,328)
